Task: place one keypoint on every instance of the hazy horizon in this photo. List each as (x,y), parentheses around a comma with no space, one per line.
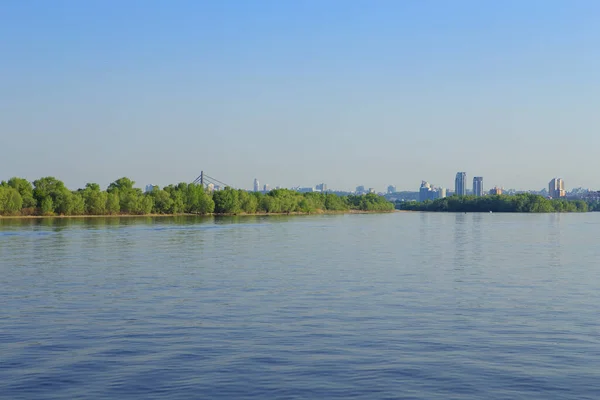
(297,93)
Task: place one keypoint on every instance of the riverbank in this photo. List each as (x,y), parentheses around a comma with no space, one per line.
(319,212)
(520,203)
(48,196)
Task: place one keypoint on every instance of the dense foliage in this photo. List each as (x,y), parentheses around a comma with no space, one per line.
(49,196)
(594,205)
(524,202)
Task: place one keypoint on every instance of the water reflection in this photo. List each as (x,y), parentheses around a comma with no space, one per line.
(424,228)
(101,222)
(477,252)
(460,241)
(553,240)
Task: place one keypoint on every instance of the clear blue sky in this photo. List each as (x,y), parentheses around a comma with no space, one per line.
(301,92)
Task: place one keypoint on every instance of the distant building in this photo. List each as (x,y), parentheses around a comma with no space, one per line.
(441,193)
(256,185)
(371,190)
(391,189)
(426,192)
(360,189)
(460,187)
(496,191)
(478,186)
(321,187)
(149,188)
(592,196)
(556,188)
(305,189)
(211,187)
(266,188)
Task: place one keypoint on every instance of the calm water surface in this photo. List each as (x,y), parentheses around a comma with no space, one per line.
(409,305)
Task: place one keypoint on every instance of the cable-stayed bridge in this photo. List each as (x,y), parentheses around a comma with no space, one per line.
(206,181)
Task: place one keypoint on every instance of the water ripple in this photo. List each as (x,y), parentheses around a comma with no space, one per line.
(410,305)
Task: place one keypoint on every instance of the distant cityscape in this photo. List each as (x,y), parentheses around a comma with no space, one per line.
(321,187)
(430,192)
(556,189)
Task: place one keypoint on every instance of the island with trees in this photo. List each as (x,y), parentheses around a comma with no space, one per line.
(49,196)
(519,203)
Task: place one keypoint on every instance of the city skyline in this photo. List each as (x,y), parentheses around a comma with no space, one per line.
(555,188)
(477,186)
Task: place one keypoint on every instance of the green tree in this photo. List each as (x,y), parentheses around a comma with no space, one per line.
(25,189)
(248,202)
(335,203)
(146,205)
(78,207)
(48,187)
(206,204)
(178,202)
(113,203)
(270,204)
(227,201)
(306,205)
(120,185)
(131,201)
(47,206)
(163,203)
(64,202)
(10,201)
(94,199)
(522,203)
(287,200)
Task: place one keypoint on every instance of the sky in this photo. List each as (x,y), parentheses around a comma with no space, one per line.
(294,93)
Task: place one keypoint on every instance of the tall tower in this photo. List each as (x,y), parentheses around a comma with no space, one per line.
(425,191)
(478,186)
(256,185)
(556,188)
(460,187)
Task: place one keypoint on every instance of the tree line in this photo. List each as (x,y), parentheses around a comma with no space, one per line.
(594,205)
(49,196)
(520,203)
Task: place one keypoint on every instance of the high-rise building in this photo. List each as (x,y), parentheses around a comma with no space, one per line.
(266,188)
(256,185)
(496,191)
(460,187)
(321,187)
(556,188)
(478,186)
(425,191)
(391,189)
(149,188)
(429,192)
(360,189)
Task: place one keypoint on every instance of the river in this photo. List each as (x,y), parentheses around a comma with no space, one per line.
(403,305)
